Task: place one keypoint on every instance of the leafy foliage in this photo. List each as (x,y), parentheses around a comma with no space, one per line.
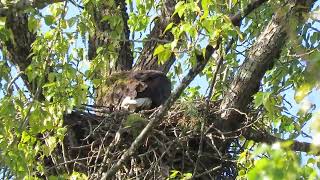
(276,161)
(61,78)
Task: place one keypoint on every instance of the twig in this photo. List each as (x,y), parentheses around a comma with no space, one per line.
(203,122)
(216,71)
(65,157)
(209,171)
(12,81)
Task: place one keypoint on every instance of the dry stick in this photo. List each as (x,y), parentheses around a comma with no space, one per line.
(209,171)
(216,71)
(184,83)
(203,122)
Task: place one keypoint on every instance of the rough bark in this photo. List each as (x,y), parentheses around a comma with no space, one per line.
(102,34)
(146,60)
(125,60)
(261,57)
(261,136)
(19,46)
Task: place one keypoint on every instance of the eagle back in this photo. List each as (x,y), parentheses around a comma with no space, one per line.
(135,84)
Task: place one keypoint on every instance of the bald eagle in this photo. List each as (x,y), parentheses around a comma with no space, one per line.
(134,90)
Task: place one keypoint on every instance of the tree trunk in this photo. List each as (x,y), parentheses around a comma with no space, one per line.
(261,58)
(102,36)
(19,45)
(146,60)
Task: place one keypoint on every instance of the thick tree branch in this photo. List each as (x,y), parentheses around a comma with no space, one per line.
(261,57)
(103,33)
(147,60)
(19,47)
(265,137)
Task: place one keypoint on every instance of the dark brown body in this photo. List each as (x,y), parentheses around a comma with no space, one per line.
(135,84)
(158,87)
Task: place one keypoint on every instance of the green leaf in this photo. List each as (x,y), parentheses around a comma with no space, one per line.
(242,172)
(33,24)
(51,143)
(302,92)
(179,8)
(2,22)
(205,7)
(178,69)
(185,27)
(158,50)
(187,176)
(168,27)
(164,56)
(71,21)
(174,174)
(262,98)
(49,20)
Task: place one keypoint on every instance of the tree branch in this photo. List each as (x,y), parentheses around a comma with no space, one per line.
(264,137)
(261,58)
(217,70)
(146,60)
(236,19)
(19,46)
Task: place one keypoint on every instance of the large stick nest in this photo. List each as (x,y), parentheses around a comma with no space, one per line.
(185,142)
